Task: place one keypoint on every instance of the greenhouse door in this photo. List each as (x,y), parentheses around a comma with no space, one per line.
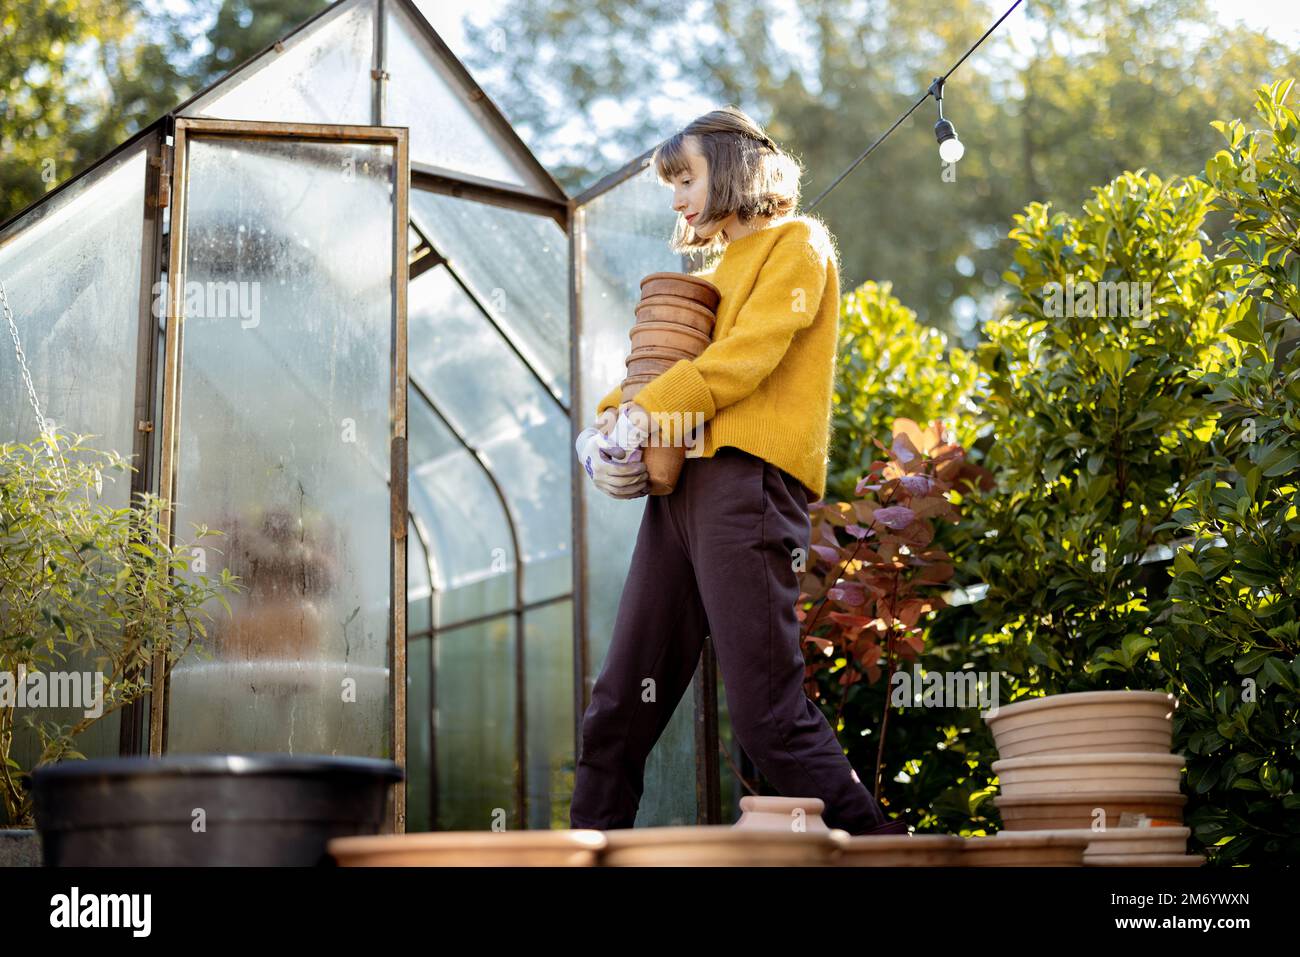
(284,427)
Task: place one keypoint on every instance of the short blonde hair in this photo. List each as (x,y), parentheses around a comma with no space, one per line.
(749,174)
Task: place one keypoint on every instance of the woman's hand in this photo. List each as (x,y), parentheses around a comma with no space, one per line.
(615,479)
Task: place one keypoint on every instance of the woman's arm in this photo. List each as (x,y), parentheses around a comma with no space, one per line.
(785,299)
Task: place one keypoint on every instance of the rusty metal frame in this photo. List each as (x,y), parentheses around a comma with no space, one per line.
(397,138)
(133,723)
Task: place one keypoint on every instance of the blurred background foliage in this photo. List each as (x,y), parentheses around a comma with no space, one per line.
(1089,89)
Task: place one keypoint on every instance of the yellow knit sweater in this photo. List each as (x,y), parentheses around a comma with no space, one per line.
(765,382)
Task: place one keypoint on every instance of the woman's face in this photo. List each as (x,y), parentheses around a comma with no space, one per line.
(691,190)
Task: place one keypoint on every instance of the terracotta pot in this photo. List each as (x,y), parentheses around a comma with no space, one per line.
(1143,860)
(678,310)
(1135,733)
(287,629)
(1118,841)
(566,848)
(1037,812)
(900,850)
(716,845)
(1084,721)
(670,334)
(633,383)
(659,352)
(1090,771)
(770,813)
(642,365)
(683,285)
(1055,848)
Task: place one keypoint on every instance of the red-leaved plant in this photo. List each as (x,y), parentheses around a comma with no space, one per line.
(872,590)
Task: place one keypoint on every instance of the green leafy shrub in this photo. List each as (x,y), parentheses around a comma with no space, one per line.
(85,582)
(891,367)
(1231,645)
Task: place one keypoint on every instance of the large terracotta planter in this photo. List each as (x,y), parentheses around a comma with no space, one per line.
(1055,848)
(900,850)
(1055,811)
(717,845)
(770,813)
(1085,721)
(566,848)
(1089,771)
(676,309)
(683,285)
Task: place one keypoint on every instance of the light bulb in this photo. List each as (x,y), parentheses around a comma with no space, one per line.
(950,151)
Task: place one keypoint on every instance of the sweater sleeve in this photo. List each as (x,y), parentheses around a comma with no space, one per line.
(784,299)
(612,400)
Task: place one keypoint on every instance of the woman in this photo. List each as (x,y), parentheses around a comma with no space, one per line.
(718,556)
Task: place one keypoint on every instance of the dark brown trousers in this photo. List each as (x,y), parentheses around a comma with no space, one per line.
(716,557)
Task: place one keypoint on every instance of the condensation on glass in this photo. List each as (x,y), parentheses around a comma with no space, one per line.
(284,442)
(71,271)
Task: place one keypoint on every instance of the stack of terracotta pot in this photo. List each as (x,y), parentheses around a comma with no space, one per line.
(1095,763)
(674,321)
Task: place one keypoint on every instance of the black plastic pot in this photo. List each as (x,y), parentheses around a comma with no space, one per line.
(257,809)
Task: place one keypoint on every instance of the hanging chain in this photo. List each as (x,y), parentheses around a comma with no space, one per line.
(22,361)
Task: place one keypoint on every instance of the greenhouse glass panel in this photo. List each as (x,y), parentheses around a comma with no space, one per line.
(517,266)
(501,411)
(284,433)
(419,591)
(472,552)
(622,236)
(71,273)
(419,744)
(474,711)
(548,663)
(321,76)
(447,131)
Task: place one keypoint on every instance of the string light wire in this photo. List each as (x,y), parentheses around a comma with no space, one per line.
(938,83)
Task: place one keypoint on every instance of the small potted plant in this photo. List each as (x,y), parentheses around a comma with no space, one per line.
(86,583)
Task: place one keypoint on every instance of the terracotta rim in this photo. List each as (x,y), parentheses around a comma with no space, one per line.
(661,325)
(1088,757)
(694,835)
(1092,797)
(575,839)
(1082,697)
(675,302)
(683,277)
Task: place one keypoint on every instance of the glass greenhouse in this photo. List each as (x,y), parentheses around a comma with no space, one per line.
(395,322)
